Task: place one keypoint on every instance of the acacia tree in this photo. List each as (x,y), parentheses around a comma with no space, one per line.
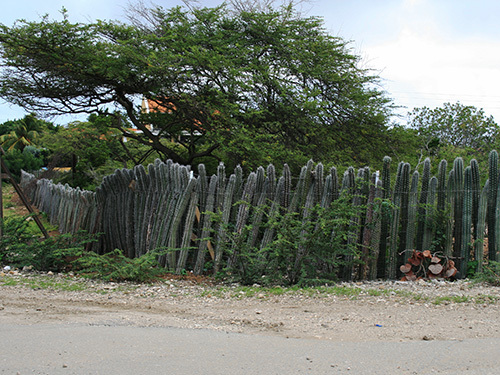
(219,78)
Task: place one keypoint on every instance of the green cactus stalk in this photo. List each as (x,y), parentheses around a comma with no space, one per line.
(179,212)
(496,254)
(396,212)
(353,235)
(242,217)
(441,188)
(376,232)
(187,230)
(466,223)
(450,202)
(318,182)
(223,226)
(273,211)
(368,229)
(405,187)
(492,203)
(385,219)
(430,213)
(458,167)
(334,191)
(287,186)
(426,175)
(476,192)
(204,241)
(271,177)
(481,227)
(412,214)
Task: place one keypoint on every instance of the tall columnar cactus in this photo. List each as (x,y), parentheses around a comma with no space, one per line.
(180,209)
(334,191)
(353,235)
(348,181)
(430,210)
(243,212)
(368,230)
(441,188)
(476,192)
(376,232)
(405,187)
(450,202)
(187,230)
(273,211)
(426,175)
(481,227)
(221,187)
(466,223)
(492,203)
(271,177)
(224,221)
(385,219)
(204,239)
(318,182)
(302,188)
(412,215)
(395,223)
(287,187)
(458,167)
(496,248)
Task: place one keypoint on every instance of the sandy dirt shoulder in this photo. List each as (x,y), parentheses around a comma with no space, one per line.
(375,311)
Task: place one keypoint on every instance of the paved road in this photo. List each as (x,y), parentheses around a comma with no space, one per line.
(85,349)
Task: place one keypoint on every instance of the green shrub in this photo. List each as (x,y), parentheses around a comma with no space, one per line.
(115,266)
(304,251)
(19,247)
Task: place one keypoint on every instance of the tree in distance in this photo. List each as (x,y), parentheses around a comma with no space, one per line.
(454,130)
(243,87)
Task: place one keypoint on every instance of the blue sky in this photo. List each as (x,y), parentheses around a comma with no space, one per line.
(427,52)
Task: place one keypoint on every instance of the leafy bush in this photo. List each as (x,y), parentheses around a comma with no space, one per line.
(115,266)
(19,248)
(305,251)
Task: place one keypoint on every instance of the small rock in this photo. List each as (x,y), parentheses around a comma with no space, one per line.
(426,338)
(50,273)
(65,365)
(6,268)
(258,312)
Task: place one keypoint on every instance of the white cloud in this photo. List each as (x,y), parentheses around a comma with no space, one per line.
(426,69)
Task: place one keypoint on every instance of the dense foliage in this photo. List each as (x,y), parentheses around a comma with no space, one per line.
(244,87)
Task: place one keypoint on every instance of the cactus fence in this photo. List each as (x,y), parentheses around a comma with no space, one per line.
(167,207)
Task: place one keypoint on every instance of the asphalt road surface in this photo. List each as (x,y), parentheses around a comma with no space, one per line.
(60,348)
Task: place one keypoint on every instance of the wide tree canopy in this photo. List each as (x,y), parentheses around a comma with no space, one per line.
(248,87)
